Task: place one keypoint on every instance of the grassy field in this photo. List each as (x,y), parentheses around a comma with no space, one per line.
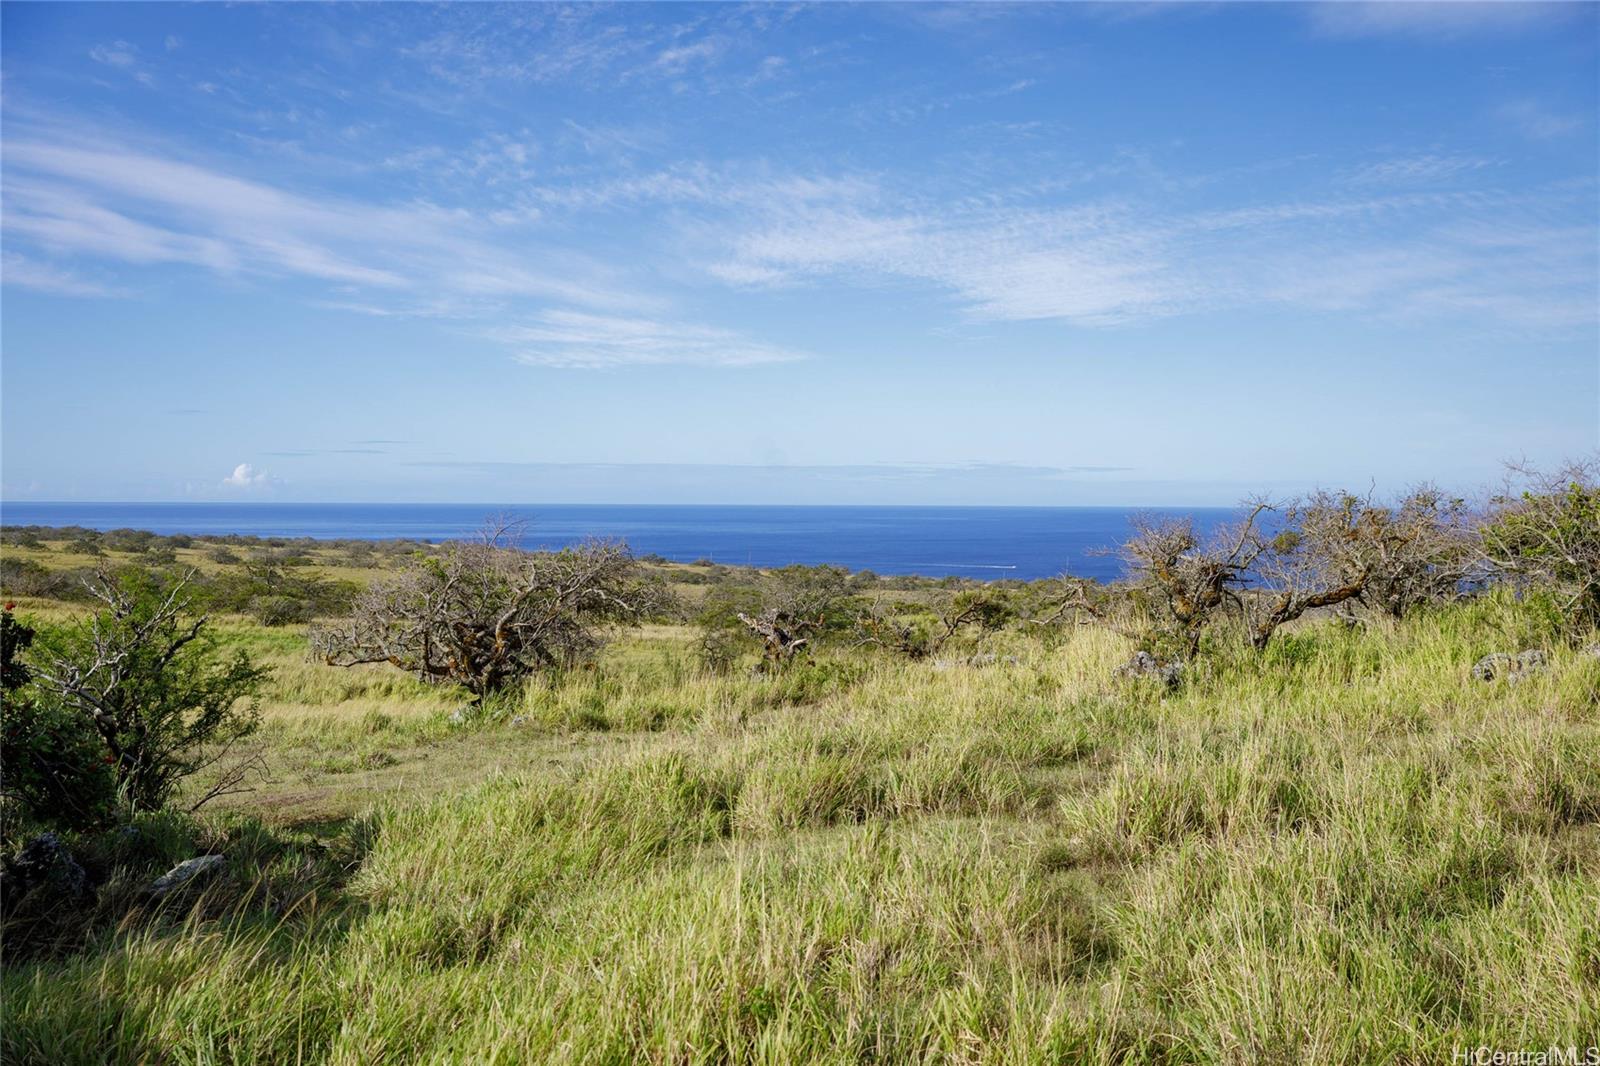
(1345,851)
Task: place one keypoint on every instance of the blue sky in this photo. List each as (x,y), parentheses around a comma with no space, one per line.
(1141,254)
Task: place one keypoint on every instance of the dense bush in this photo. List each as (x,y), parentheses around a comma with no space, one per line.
(274,594)
(1547,535)
(923,630)
(129,540)
(24,577)
(86,545)
(157,691)
(55,767)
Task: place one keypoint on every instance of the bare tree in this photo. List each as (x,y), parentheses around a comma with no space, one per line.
(484,613)
(1543,529)
(783,636)
(1416,552)
(1081,601)
(798,603)
(1320,557)
(1335,548)
(1184,583)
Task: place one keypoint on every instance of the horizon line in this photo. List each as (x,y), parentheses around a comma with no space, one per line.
(552,503)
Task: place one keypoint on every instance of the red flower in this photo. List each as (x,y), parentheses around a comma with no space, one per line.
(10,606)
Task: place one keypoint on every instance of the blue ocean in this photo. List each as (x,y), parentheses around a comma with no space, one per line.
(979,542)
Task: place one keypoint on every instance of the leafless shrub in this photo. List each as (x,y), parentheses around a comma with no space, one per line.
(1284,560)
(1416,552)
(1078,601)
(484,613)
(1318,559)
(1184,584)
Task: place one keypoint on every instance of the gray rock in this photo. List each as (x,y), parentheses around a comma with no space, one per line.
(1511,667)
(1592,651)
(520,719)
(1143,664)
(44,863)
(991,659)
(190,871)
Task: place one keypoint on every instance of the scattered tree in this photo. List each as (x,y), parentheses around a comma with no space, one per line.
(1319,558)
(1543,529)
(1414,553)
(1185,585)
(276,594)
(925,632)
(797,605)
(1068,600)
(484,614)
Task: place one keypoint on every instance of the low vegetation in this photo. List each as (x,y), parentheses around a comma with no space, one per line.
(806,815)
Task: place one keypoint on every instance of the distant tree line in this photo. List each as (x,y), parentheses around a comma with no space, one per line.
(1331,553)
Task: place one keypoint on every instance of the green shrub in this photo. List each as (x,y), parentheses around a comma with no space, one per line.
(56,771)
(163,700)
(281,610)
(275,595)
(1548,536)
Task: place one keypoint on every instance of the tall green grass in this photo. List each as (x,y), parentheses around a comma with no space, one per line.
(1346,850)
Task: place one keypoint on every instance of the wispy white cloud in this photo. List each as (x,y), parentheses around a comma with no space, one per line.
(679,58)
(73,196)
(1416,169)
(124,57)
(568,44)
(19,270)
(581,340)
(1536,122)
(1113,261)
(1089,264)
(1433,19)
(118,54)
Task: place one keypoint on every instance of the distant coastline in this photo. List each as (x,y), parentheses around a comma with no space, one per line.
(1024,543)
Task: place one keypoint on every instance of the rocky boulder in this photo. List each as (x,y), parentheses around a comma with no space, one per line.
(1511,667)
(1143,664)
(45,865)
(189,872)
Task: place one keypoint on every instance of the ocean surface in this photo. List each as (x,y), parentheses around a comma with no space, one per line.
(980,542)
